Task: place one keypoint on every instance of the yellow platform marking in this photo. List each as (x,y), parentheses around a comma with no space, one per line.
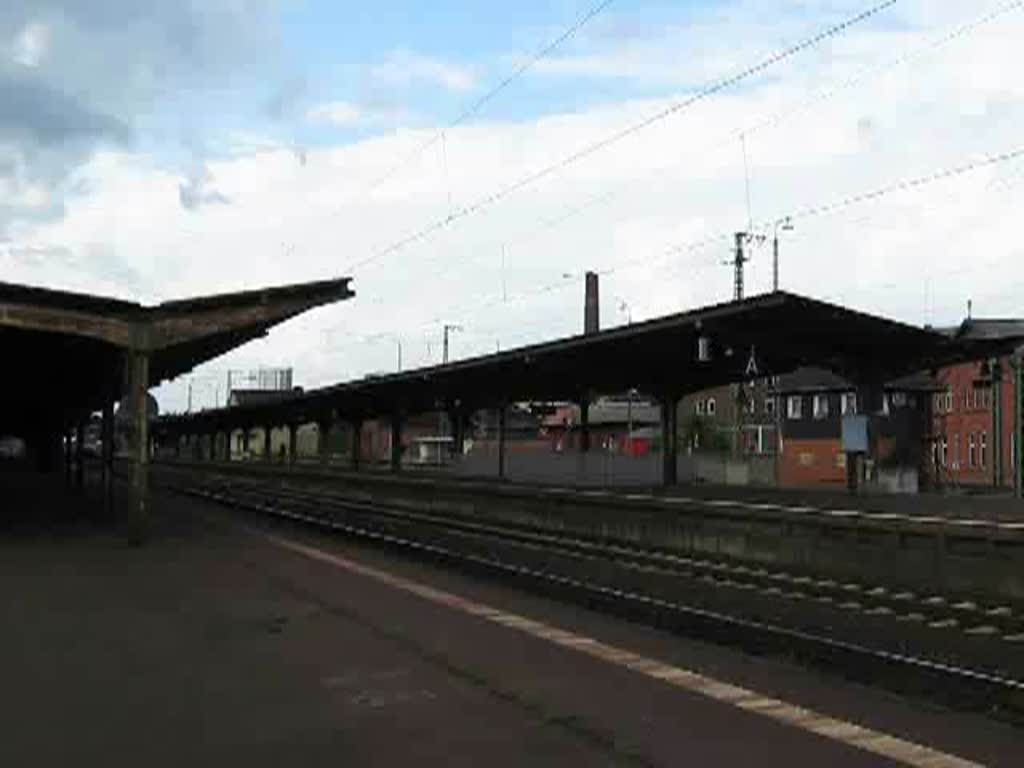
(851,734)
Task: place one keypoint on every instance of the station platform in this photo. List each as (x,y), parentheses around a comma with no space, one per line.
(223,641)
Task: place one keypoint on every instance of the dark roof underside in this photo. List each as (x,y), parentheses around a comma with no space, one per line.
(784,331)
(63,353)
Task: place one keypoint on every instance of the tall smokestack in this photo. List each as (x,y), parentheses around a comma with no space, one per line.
(591,306)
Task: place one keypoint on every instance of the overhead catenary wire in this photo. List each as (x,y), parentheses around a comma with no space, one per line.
(949,35)
(631,130)
(440,135)
(906,184)
(539,55)
(817,209)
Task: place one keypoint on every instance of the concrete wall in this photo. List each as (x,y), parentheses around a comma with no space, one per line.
(978,561)
(613,469)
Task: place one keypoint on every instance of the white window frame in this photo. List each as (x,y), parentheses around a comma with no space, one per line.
(949,401)
(956,451)
(712,406)
(944,451)
(983,449)
(819,406)
(794,407)
(972,451)
(701,406)
(769,406)
(848,404)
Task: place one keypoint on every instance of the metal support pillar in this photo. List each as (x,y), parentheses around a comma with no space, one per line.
(357,443)
(502,409)
(323,430)
(293,443)
(137,374)
(107,456)
(669,441)
(396,442)
(268,432)
(245,442)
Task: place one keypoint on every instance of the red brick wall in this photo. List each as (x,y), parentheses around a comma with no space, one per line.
(967,417)
(812,463)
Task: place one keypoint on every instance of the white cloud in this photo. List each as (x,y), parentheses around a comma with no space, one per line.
(344,114)
(407,68)
(31,45)
(337,113)
(917,255)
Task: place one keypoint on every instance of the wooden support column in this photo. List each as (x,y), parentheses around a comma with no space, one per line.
(80,455)
(267,444)
(137,375)
(396,442)
(323,437)
(67,457)
(457,416)
(293,443)
(502,409)
(584,405)
(357,443)
(1018,427)
(107,456)
(669,439)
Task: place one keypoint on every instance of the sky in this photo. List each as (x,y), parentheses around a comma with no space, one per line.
(153,150)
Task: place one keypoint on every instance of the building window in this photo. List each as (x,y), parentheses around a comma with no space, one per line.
(885,404)
(701,407)
(848,403)
(898,399)
(712,406)
(820,406)
(983,450)
(972,451)
(795,407)
(956,451)
(769,406)
(944,451)
(949,401)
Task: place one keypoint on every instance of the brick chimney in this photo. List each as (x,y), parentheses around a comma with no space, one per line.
(591,306)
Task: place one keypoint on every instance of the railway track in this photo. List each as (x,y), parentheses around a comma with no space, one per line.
(965,652)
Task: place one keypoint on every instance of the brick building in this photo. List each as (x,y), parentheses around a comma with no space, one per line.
(713,418)
(814,402)
(973,424)
(616,422)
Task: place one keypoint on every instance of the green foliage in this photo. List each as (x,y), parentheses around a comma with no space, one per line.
(702,433)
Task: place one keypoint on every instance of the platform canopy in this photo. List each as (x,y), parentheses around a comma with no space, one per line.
(64,353)
(664,357)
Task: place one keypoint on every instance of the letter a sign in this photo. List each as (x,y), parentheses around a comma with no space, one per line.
(752,370)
